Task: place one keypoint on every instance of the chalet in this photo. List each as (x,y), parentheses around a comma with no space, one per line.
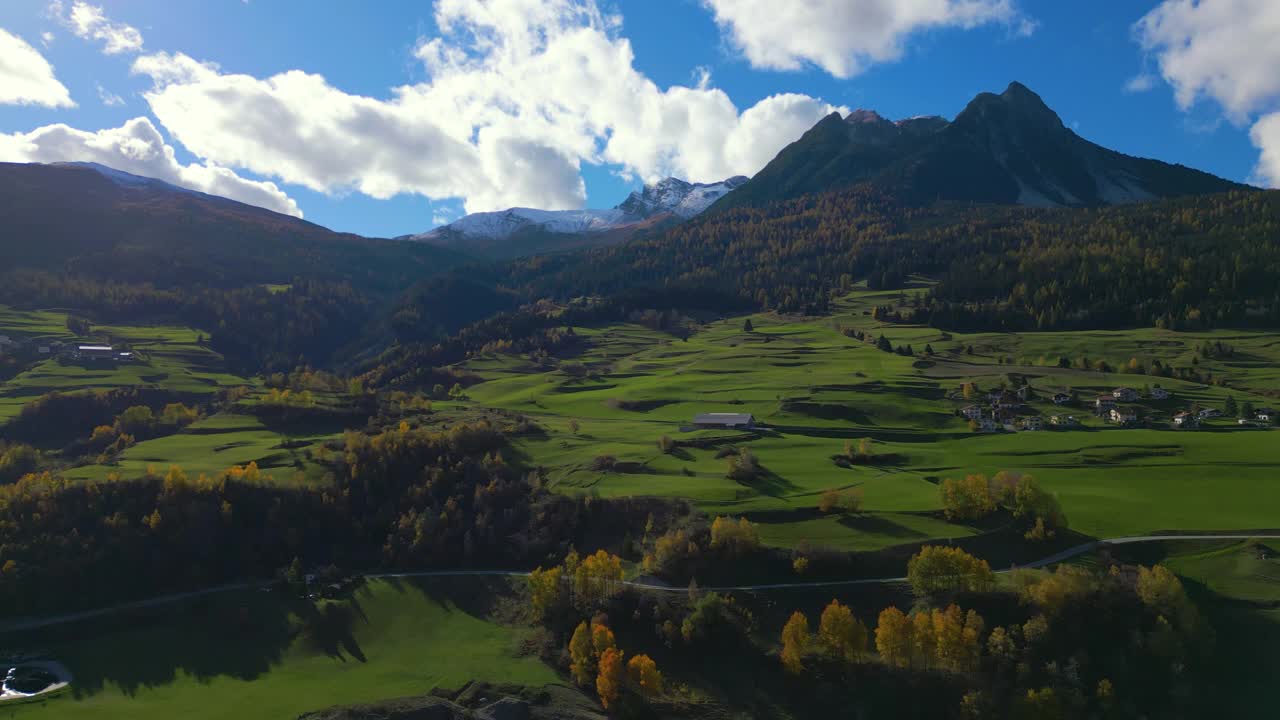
(1005,400)
(988,424)
(1104,404)
(1265,415)
(731,421)
(95,352)
(1124,394)
(1207,413)
(1159,393)
(972,412)
(1064,421)
(1035,422)
(1124,415)
(1061,398)
(1185,420)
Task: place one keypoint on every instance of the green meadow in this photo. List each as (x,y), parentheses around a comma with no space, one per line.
(815,388)
(169,357)
(216,443)
(253,654)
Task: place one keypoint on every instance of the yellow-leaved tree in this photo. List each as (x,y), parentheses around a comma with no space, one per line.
(893,637)
(609,679)
(644,673)
(795,641)
(840,634)
(581,654)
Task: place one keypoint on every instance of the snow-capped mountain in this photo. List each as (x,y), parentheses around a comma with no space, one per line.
(526,231)
(677,197)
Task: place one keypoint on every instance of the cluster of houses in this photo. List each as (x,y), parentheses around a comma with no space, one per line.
(79,352)
(1001,411)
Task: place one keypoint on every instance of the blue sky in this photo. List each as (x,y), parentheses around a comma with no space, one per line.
(386,118)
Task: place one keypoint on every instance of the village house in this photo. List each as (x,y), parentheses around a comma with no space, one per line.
(1061,398)
(1023,393)
(1124,394)
(1124,415)
(1005,400)
(988,424)
(972,412)
(1035,422)
(1064,421)
(730,421)
(1207,413)
(1159,393)
(1265,415)
(1185,420)
(1104,404)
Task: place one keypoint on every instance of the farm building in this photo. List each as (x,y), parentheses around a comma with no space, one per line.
(1104,404)
(95,352)
(1185,420)
(734,421)
(1061,398)
(1159,393)
(1124,394)
(973,412)
(1035,422)
(1064,421)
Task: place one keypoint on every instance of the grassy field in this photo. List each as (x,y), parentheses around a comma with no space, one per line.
(252,655)
(216,443)
(817,388)
(170,358)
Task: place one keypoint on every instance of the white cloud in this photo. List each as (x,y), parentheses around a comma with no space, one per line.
(844,37)
(26,78)
(137,147)
(46,38)
(1140,83)
(520,94)
(1266,136)
(109,98)
(89,22)
(1225,50)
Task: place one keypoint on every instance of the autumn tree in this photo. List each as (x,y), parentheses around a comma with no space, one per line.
(644,672)
(609,679)
(937,569)
(795,642)
(735,537)
(967,499)
(546,589)
(596,577)
(840,634)
(893,637)
(581,654)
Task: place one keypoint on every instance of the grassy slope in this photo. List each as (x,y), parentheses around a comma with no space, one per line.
(818,388)
(173,361)
(240,655)
(214,444)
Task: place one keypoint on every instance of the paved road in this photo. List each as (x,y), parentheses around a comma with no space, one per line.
(40,622)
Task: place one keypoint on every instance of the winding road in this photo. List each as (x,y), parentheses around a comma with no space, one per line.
(21,624)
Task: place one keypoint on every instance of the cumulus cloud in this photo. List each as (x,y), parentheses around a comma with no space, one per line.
(844,37)
(519,94)
(89,22)
(1140,83)
(1266,136)
(1223,51)
(137,147)
(26,78)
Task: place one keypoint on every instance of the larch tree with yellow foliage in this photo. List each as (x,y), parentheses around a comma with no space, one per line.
(893,637)
(795,642)
(840,634)
(581,654)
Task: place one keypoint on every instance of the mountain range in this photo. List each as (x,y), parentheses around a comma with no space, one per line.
(1008,149)
(527,231)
